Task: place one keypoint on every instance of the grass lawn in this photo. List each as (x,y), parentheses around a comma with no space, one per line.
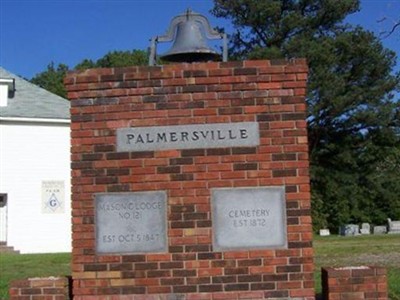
(330,251)
(21,266)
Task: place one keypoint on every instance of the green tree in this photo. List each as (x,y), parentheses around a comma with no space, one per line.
(123,59)
(352,114)
(116,59)
(52,79)
(85,64)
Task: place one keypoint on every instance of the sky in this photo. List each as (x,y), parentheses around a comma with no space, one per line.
(34,33)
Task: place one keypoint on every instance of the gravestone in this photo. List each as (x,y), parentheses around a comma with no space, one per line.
(365,228)
(380,229)
(190,181)
(324,232)
(393,227)
(349,230)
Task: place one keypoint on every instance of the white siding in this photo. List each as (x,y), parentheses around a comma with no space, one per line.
(29,154)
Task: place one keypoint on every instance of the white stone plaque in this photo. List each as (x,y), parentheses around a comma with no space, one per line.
(131,222)
(53,197)
(249,218)
(198,136)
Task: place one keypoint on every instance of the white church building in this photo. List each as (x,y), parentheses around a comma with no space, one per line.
(35,187)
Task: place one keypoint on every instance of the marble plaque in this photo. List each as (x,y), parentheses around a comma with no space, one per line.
(249,218)
(131,222)
(197,136)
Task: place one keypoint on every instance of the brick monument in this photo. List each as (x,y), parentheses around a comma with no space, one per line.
(190,181)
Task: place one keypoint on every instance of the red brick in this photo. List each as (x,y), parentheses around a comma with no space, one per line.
(262,270)
(159,257)
(159,289)
(272,70)
(270,85)
(256,63)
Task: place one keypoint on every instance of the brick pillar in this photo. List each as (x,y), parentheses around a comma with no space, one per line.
(268,93)
(354,283)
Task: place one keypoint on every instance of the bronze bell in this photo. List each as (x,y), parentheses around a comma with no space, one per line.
(189,32)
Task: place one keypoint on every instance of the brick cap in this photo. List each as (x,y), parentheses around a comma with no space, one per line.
(354,271)
(352,268)
(46,278)
(184,66)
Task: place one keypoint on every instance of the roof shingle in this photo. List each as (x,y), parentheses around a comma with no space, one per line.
(31,101)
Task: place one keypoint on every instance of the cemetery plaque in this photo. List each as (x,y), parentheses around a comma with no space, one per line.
(249,218)
(131,222)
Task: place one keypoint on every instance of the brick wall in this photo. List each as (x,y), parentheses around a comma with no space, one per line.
(352,283)
(268,92)
(51,288)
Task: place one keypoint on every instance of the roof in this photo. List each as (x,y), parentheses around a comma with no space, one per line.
(31,101)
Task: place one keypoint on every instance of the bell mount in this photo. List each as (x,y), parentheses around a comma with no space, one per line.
(189,32)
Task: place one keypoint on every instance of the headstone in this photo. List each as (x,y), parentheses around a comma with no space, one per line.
(380,229)
(349,230)
(365,228)
(394,227)
(324,232)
